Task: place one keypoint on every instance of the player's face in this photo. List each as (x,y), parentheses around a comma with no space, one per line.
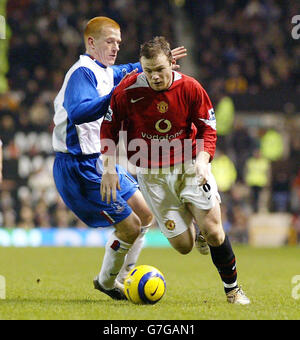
(107,46)
(158,72)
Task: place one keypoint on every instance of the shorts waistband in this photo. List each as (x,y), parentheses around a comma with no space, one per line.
(176,169)
(79,157)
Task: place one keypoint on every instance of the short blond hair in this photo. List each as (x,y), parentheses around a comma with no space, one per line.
(94,27)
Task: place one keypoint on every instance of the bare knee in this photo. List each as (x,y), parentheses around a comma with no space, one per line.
(182,243)
(133,233)
(215,237)
(140,208)
(146,219)
(129,229)
(184,249)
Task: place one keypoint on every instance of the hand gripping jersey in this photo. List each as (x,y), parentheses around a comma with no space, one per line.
(161,125)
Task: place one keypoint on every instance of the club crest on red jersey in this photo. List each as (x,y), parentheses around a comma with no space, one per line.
(162,107)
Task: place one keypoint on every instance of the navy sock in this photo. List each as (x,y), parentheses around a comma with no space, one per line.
(224,260)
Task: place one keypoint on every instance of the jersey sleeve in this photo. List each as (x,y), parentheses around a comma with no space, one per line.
(121,70)
(82,101)
(203,117)
(111,126)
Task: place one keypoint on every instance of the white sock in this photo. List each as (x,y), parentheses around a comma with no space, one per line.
(133,254)
(115,252)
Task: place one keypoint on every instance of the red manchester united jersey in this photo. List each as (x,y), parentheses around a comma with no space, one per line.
(163,127)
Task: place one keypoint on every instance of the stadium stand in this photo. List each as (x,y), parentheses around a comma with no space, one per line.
(244,55)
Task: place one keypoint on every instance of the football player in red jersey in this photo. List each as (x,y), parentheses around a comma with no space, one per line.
(157,108)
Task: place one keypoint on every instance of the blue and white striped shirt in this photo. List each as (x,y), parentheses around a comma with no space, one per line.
(82,102)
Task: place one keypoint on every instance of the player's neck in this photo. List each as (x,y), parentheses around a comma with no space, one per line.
(95,60)
(171,80)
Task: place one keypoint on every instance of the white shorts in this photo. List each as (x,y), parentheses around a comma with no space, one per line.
(167,195)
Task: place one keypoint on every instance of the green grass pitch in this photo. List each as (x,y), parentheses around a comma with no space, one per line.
(56,283)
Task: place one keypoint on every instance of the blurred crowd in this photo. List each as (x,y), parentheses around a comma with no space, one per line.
(246,46)
(240,46)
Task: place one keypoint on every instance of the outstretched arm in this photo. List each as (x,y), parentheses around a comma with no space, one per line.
(129,69)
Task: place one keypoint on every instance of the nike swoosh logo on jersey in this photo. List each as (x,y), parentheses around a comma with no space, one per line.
(136,100)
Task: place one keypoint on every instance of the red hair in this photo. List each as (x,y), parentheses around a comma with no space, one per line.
(95,25)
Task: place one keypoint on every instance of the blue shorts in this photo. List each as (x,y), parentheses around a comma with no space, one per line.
(78,179)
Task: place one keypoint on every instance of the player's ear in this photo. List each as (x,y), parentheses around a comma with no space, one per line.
(174,65)
(91,42)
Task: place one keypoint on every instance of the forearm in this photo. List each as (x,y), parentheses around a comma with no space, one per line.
(82,100)
(121,70)
(201,167)
(90,110)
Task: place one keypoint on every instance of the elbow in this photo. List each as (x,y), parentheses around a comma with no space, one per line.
(73,120)
(78,116)
(75,115)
